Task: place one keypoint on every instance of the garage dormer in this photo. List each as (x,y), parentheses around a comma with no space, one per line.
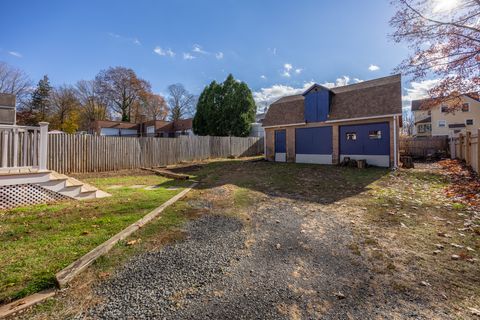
(317,103)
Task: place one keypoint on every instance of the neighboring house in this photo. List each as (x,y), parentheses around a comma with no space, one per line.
(257,129)
(322,125)
(436,120)
(152,128)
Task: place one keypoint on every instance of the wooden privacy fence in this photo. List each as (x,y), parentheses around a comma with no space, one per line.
(465,147)
(423,147)
(86,153)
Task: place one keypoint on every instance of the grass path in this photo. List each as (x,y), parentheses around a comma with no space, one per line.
(37,241)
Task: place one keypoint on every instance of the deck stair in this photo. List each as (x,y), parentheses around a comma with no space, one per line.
(51,180)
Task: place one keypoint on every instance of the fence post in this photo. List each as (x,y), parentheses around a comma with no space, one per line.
(4,149)
(468,147)
(478,151)
(43,147)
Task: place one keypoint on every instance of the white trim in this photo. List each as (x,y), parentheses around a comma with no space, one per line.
(374,160)
(313,158)
(333,121)
(395,164)
(365,118)
(280,157)
(285,125)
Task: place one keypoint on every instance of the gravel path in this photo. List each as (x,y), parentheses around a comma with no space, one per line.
(292,262)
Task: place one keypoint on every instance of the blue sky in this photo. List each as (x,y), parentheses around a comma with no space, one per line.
(277,46)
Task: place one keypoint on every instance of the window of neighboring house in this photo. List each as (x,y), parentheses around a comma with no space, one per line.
(428,127)
(444,109)
(150,130)
(469,122)
(442,123)
(351,136)
(421,128)
(375,134)
(465,107)
(429,112)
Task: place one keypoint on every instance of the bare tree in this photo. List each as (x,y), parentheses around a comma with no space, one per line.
(408,123)
(91,105)
(180,101)
(15,81)
(154,106)
(444,37)
(64,109)
(120,88)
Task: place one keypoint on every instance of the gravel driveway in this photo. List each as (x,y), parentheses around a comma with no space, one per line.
(291,261)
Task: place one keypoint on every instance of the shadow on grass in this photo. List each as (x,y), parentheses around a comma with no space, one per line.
(323,184)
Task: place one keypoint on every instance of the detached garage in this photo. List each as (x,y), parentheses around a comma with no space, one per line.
(324,125)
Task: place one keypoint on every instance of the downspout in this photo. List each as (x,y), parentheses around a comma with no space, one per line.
(395,161)
(265,143)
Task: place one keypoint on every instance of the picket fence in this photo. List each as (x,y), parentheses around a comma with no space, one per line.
(86,153)
(465,147)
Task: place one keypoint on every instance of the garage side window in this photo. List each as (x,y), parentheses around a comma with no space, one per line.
(375,134)
(351,135)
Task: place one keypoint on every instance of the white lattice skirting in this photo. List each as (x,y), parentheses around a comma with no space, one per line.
(27,194)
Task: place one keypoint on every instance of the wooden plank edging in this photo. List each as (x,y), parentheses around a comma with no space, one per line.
(26,302)
(66,275)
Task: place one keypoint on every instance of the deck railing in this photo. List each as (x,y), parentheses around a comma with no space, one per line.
(24,146)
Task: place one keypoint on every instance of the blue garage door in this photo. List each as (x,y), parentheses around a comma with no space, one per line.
(314,145)
(366,141)
(280,145)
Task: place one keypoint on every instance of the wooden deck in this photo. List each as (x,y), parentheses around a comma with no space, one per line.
(23,170)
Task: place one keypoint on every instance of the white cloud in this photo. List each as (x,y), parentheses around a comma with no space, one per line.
(135,41)
(339,82)
(198,49)
(15,54)
(444,5)
(373,67)
(287,67)
(164,52)
(288,70)
(264,77)
(266,96)
(219,55)
(418,90)
(188,56)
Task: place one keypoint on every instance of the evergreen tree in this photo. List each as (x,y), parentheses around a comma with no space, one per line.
(40,103)
(226,109)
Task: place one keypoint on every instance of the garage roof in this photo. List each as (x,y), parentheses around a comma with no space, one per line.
(376,97)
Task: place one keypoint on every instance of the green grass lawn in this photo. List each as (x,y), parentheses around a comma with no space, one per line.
(38,241)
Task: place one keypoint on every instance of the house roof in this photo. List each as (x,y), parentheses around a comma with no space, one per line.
(376,97)
(183,124)
(115,124)
(421,103)
(426,120)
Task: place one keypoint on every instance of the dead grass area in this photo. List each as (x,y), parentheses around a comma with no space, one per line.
(420,236)
(417,235)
